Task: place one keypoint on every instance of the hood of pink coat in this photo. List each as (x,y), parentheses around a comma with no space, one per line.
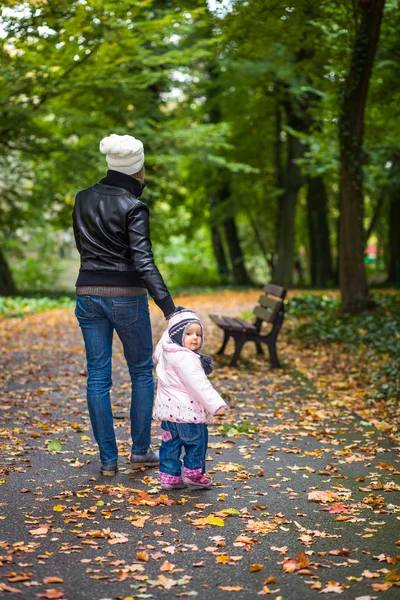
(166,343)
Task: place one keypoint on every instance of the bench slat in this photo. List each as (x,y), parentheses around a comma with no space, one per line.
(275,290)
(266,314)
(248,327)
(217,320)
(268,302)
(233,324)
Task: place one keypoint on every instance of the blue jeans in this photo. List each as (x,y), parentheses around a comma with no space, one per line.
(129,316)
(175,436)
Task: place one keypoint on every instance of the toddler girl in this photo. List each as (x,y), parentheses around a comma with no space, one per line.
(185,402)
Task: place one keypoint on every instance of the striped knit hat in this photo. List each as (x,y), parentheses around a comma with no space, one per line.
(179,322)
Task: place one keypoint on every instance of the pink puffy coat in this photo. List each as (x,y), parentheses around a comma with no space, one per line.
(184,393)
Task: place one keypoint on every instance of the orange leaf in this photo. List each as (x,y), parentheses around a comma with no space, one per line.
(8,588)
(53,579)
(142,555)
(323,496)
(118,540)
(53,593)
(167,566)
(256,567)
(290,566)
(230,588)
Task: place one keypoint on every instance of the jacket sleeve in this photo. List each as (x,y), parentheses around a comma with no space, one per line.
(142,256)
(197,384)
(76,232)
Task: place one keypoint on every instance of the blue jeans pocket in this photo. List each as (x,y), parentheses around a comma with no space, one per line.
(84,307)
(188,431)
(125,312)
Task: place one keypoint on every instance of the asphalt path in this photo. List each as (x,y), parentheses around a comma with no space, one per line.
(66,532)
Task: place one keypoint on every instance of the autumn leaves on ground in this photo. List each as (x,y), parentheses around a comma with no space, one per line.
(305,473)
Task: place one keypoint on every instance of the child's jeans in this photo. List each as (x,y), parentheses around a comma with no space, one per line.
(191,436)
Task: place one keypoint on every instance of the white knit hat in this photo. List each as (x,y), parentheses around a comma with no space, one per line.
(124,153)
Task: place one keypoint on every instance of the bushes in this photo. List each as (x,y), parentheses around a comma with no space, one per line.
(35,274)
(315,318)
(20,307)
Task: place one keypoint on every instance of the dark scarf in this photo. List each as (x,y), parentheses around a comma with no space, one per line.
(126,182)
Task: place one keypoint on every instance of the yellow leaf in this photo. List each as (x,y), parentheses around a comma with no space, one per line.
(230,511)
(223,558)
(215,521)
(59,507)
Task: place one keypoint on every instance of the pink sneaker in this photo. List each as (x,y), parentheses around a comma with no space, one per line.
(171,482)
(198,481)
(174,486)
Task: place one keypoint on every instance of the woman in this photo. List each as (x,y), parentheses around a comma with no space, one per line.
(111,228)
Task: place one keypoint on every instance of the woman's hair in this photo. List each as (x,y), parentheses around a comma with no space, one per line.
(139,175)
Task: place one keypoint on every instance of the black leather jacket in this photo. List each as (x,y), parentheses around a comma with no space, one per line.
(111,228)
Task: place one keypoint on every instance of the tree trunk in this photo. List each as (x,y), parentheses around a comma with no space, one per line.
(375,216)
(259,240)
(218,247)
(353,279)
(7,285)
(240,275)
(394,225)
(283,272)
(239,271)
(321,270)
(279,175)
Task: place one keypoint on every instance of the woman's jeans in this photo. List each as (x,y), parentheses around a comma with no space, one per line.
(98,317)
(175,436)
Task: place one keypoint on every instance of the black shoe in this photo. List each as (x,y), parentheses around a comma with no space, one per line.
(150,459)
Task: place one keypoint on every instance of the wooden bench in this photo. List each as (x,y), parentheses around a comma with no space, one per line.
(269,309)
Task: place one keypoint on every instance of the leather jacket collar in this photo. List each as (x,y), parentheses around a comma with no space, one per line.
(126,182)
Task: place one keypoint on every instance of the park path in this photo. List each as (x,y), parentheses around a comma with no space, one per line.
(304,501)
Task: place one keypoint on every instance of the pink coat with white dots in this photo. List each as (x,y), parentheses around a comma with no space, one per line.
(184,393)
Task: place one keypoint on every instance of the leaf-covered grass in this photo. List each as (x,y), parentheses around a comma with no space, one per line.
(375,335)
(13,307)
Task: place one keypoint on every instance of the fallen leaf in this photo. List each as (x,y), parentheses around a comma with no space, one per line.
(142,555)
(51,593)
(230,588)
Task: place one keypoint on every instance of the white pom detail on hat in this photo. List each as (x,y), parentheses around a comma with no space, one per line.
(124,153)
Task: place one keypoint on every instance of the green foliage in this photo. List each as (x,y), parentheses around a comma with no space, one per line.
(35,274)
(187,261)
(34,257)
(201,87)
(315,318)
(21,307)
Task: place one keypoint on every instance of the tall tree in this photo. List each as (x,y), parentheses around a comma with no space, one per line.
(292,180)
(394,222)
(321,269)
(352,275)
